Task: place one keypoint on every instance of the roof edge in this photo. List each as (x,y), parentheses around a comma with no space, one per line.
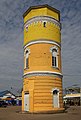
(41,6)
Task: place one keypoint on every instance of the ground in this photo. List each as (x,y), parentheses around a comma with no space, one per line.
(14,113)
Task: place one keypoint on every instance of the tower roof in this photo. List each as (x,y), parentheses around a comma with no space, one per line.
(41,6)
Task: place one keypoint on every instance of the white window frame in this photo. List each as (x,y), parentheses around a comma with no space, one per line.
(26,28)
(58,96)
(45,24)
(54,54)
(26,56)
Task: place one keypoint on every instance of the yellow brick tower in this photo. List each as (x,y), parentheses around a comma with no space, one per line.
(42,84)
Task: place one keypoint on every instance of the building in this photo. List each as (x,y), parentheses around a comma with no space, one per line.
(6,95)
(72,96)
(42,84)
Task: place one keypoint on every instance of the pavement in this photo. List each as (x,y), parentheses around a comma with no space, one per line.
(14,113)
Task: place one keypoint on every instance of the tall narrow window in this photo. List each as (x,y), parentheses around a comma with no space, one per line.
(54,57)
(26,28)
(55,98)
(44,24)
(26,62)
(27,58)
(54,61)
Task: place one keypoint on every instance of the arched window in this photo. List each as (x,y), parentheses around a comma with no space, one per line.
(44,24)
(55,92)
(55,98)
(54,51)
(26,28)
(27,58)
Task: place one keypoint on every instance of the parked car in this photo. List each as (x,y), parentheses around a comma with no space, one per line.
(3,104)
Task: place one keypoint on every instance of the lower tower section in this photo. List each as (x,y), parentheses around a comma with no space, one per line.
(44,94)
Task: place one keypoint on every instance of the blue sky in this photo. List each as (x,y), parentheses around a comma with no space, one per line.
(11,40)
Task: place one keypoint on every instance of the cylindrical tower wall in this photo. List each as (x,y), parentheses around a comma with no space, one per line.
(42,62)
(41,28)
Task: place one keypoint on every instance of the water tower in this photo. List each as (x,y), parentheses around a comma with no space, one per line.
(42,83)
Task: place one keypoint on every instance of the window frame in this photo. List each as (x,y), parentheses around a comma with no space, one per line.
(26,57)
(44,23)
(54,57)
(26,28)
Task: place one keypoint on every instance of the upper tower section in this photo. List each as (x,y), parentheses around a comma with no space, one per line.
(43,10)
(41,23)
